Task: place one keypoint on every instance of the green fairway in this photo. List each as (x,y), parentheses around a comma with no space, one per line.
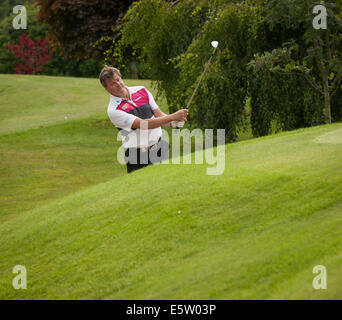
(42,164)
(49,157)
(84,229)
(30,101)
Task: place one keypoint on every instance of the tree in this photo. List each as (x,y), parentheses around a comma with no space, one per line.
(9,35)
(75,26)
(179,36)
(273,35)
(32,55)
(316,54)
(58,65)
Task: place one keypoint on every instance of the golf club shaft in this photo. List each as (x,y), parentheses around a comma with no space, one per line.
(199,82)
(181,123)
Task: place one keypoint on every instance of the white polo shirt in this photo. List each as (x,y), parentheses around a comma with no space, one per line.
(122,114)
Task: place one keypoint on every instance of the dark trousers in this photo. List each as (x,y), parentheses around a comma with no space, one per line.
(137,158)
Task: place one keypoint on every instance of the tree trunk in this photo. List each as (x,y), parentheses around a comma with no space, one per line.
(327,100)
(327,108)
(134,70)
(324,70)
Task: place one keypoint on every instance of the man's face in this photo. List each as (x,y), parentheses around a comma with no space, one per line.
(116,86)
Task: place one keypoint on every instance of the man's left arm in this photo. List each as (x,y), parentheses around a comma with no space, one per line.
(158,113)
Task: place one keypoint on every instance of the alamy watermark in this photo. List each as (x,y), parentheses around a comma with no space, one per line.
(320,21)
(320,281)
(19,281)
(20,21)
(160,152)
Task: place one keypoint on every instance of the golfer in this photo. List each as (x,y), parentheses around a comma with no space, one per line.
(135,113)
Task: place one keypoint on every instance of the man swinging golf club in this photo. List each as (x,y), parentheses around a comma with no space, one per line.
(135,113)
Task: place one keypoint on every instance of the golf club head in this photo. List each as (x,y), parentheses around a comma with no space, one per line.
(214,44)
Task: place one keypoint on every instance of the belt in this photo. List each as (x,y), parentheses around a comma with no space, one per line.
(144,149)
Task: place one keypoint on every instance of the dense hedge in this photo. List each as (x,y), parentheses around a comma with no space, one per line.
(282,102)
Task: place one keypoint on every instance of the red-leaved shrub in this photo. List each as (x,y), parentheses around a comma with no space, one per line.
(32,55)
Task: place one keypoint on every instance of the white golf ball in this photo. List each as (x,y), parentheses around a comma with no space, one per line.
(214,44)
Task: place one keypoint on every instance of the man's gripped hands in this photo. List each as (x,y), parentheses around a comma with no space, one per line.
(179,118)
(180,115)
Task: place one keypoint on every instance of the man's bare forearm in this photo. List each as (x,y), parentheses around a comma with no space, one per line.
(158,113)
(167,124)
(152,123)
(159,121)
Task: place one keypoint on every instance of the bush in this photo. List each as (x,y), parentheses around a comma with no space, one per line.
(32,55)
(57,66)
(285,99)
(9,35)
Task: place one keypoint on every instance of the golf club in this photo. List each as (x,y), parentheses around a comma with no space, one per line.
(214,44)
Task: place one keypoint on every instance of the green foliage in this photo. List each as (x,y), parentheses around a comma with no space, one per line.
(178,46)
(315,54)
(159,32)
(7,7)
(9,35)
(280,92)
(58,66)
(286,99)
(61,66)
(267,53)
(75,26)
(220,102)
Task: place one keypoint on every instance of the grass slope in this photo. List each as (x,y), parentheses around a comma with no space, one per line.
(44,156)
(41,164)
(31,101)
(172,232)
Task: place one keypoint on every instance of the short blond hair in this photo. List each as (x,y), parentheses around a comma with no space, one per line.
(108,72)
